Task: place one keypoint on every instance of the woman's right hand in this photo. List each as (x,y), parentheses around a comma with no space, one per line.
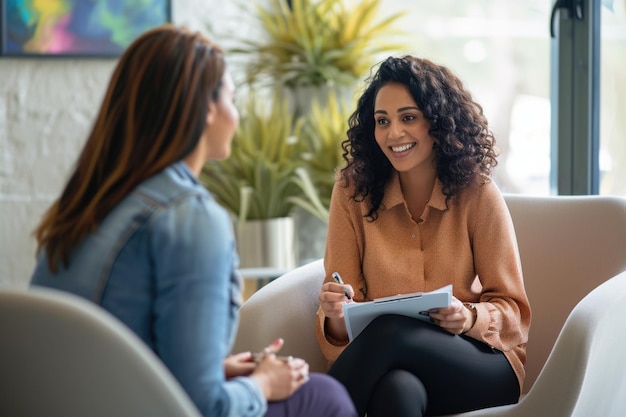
(331,298)
(279,378)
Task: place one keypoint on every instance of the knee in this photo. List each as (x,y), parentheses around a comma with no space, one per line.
(398,392)
(330,392)
(399,380)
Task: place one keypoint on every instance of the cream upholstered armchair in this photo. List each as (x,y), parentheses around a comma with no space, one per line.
(573,252)
(62,355)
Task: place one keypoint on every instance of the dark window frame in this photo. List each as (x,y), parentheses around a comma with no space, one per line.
(575,94)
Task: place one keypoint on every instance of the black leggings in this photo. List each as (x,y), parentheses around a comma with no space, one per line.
(400,366)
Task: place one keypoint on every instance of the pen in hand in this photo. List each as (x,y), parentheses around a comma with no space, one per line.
(338,280)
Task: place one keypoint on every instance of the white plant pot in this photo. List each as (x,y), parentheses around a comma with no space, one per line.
(267,243)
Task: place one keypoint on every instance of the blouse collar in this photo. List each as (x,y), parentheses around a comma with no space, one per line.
(393,194)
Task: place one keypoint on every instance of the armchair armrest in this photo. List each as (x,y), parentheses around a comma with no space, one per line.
(285,308)
(585,373)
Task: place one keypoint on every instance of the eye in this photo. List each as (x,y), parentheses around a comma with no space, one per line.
(382,121)
(408,117)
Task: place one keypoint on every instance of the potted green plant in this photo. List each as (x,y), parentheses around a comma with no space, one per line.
(262,182)
(258,180)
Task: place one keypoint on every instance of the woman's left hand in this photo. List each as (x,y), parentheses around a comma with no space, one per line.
(240,364)
(455,319)
(243,364)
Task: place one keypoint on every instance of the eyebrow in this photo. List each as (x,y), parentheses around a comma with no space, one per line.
(401,109)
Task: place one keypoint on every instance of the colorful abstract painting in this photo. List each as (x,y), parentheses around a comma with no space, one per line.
(76,27)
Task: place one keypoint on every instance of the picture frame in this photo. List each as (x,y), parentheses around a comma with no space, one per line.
(76,28)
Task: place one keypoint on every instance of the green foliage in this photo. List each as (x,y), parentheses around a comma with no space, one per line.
(324,130)
(257,181)
(280,161)
(318,42)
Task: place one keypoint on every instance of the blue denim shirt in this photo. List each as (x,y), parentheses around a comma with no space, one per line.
(164,262)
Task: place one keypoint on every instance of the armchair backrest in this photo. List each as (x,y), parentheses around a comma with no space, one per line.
(568,246)
(61,355)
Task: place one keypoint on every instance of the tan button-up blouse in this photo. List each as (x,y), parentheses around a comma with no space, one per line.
(471,238)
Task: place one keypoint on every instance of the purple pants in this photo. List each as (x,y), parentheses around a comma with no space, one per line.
(321,396)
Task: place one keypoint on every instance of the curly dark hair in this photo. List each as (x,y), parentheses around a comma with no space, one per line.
(464,146)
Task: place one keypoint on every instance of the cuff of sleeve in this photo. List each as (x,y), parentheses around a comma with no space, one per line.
(255,406)
(482,322)
(471,307)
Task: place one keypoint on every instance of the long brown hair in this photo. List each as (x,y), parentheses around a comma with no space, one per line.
(153,114)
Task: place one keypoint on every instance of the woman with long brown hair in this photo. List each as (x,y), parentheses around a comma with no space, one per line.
(135,232)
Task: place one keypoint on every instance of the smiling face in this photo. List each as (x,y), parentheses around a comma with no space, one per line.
(401,130)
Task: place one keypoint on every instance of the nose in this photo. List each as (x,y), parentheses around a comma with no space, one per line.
(395,130)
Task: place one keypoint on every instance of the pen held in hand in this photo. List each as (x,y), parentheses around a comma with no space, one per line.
(338,280)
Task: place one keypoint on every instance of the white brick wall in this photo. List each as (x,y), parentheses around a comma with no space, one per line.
(46,110)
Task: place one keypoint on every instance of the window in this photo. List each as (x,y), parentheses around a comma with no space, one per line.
(501,51)
(533,88)
(612,154)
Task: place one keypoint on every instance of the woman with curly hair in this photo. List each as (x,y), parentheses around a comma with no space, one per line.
(413,210)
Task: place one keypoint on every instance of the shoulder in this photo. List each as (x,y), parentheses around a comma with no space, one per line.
(484,208)
(477,202)
(343,199)
(483,194)
(171,185)
(194,213)
(183,207)
(343,191)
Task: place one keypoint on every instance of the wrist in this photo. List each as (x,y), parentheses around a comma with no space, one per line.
(335,332)
(472,315)
(263,382)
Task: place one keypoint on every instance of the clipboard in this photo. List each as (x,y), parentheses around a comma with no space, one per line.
(358,315)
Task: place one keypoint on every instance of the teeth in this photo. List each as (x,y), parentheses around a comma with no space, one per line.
(402,148)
